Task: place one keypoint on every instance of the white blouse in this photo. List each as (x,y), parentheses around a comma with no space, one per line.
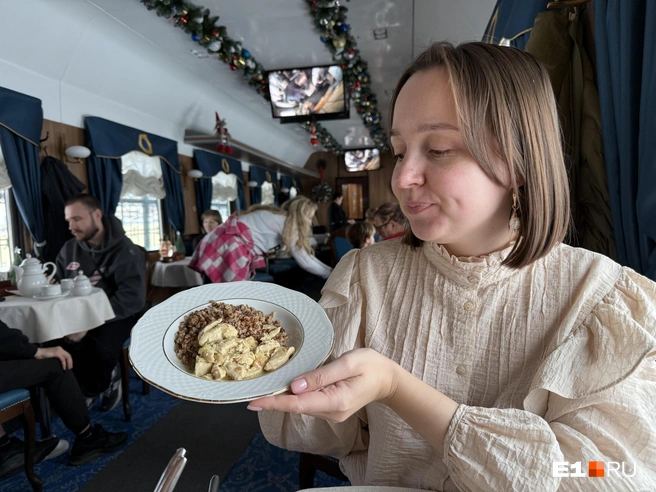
(554,362)
(267,228)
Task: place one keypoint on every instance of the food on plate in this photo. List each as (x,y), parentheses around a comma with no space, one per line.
(226,342)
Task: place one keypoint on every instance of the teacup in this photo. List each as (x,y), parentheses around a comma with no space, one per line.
(50,290)
(66,284)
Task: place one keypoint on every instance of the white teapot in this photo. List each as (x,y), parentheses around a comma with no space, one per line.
(81,285)
(30,276)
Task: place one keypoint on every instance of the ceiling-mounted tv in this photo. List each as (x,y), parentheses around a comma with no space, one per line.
(362,160)
(311,93)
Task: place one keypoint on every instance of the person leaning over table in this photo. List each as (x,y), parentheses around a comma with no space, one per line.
(115,264)
(233,251)
(485,350)
(24,365)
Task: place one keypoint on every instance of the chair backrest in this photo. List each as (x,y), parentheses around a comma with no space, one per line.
(338,237)
(342,246)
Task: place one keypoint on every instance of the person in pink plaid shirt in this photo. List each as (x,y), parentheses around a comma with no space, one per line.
(233,251)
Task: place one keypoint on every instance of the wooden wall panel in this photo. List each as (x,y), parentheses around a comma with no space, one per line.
(61,136)
(380,189)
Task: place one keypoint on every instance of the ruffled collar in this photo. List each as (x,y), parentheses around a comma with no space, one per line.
(463,269)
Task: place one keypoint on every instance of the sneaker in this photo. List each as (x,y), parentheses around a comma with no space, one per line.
(112,395)
(90,400)
(98,443)
(12,455)
(62,447)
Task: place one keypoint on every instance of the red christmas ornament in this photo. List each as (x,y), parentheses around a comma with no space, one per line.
(233,67)
(223,135)
(215,33)
(314,141)
(184,19)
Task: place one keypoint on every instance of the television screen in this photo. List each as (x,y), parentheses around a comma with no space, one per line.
(302,92)
(362,160)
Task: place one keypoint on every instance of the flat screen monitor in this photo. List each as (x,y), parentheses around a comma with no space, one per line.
(315,93)
(362,160)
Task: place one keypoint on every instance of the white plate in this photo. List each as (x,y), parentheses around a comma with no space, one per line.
(152,341)
(49,298)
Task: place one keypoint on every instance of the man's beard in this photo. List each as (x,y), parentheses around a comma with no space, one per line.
(90,233)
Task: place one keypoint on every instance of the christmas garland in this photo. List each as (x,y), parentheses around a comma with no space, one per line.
(330,20)
(197,22)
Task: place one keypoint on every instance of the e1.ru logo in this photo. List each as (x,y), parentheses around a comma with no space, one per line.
(596,469)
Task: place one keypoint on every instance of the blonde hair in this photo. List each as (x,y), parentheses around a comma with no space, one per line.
(359,232)
(506,93)
(297,229)
(267,208)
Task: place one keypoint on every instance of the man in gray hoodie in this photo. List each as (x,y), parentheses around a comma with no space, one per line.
(115,264)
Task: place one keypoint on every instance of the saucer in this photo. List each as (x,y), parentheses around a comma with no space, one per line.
(47,298)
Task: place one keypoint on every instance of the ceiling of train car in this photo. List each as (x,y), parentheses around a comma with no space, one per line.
(281,34)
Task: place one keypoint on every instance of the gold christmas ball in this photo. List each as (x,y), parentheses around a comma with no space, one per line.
(339,43)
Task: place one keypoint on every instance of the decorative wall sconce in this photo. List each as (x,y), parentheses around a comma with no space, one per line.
(252,184)
(195,173)
(75,153)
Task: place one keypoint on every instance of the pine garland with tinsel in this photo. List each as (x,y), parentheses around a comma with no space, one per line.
(330,20)
(201,26)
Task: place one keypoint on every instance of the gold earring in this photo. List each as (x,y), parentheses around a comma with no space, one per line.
(514,222)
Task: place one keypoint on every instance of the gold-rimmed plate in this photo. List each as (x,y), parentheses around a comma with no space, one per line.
(152,341)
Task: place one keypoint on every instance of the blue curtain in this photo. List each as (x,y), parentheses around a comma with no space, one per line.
(289,182)
(625,39)
(211,164)
(21,120)
(108,142)
(261,175)
(512,20)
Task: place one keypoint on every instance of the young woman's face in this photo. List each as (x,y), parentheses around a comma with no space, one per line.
(444,193)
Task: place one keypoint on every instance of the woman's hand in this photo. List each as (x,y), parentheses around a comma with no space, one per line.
(55,353)
(337,390)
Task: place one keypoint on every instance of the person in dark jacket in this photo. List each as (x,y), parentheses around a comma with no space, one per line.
(115,264)
(24,365)
(337,216)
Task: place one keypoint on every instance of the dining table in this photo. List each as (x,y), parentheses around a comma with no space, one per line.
(43,320)
(50,319)
(175,274)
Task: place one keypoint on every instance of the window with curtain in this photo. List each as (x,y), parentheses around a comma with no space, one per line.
(6,241)
(224,191)
(140,205)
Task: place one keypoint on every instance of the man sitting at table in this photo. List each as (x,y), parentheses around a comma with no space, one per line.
(24,365)
(115,264)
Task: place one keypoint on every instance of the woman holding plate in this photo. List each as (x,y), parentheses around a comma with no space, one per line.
(486,354)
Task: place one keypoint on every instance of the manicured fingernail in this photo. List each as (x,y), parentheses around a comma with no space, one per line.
(254,409)
(299,385)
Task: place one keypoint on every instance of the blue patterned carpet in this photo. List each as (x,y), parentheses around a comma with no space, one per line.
(59,477)
(264,467)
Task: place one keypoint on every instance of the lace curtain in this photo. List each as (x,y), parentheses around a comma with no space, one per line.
(142,175)
(224,187)
(268,198)
(5,182)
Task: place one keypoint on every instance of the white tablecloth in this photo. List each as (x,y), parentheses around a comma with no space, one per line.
(42,321)
(175,274)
